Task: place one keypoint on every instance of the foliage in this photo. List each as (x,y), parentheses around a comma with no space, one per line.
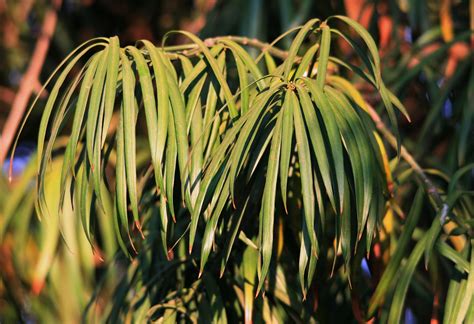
(53,250)
(201,161)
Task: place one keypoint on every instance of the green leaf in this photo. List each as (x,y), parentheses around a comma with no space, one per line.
(197,146)
(447,251)
(249,265)
(305,67)
(286,144)
(388,276)
(372,47)
(466,301)
(93,125)
(334,139)
(170,163)
(323,55)
(247,61)
(270,63)
(121,185)
(161,85)
(304,158)
(55,91)
(129,115)
(211,225)
(315,130)
(355,140)
(295,47)
(70,154)
(150,105)
(267,212)
(212,175)
(83,200)
(111,84)
(217,72)
(234,228)
(458,295)
(198,68)
(404,279)
(177,125)
(253,120)
(346,224)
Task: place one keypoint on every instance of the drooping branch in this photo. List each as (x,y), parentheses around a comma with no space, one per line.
(191,50)
(380,125)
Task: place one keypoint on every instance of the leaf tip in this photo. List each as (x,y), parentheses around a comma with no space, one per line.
(139,228)
(37,286)
(10,171)
(98,258)
(304,295)
(257,293)
(170,255)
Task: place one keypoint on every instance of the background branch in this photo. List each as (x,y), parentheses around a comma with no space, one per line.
(29,81)
(391,139)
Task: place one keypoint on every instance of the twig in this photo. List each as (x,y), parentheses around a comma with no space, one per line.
(264,47)
(253,42)
(391,139)
(29,80)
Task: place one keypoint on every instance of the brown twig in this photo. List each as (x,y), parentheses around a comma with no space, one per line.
(264,47)
(430,187)
(193,49)
(29,80)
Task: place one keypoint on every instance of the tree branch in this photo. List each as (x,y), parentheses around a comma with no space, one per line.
(190,49)
(430,187)
(29,80)
(379,124)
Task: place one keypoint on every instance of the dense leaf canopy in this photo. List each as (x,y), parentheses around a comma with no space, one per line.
(205,175)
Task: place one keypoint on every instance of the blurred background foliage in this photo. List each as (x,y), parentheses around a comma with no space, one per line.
(48,270)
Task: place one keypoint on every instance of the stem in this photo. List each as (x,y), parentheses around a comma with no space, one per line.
(427,183)
(190,49)
(253,42)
